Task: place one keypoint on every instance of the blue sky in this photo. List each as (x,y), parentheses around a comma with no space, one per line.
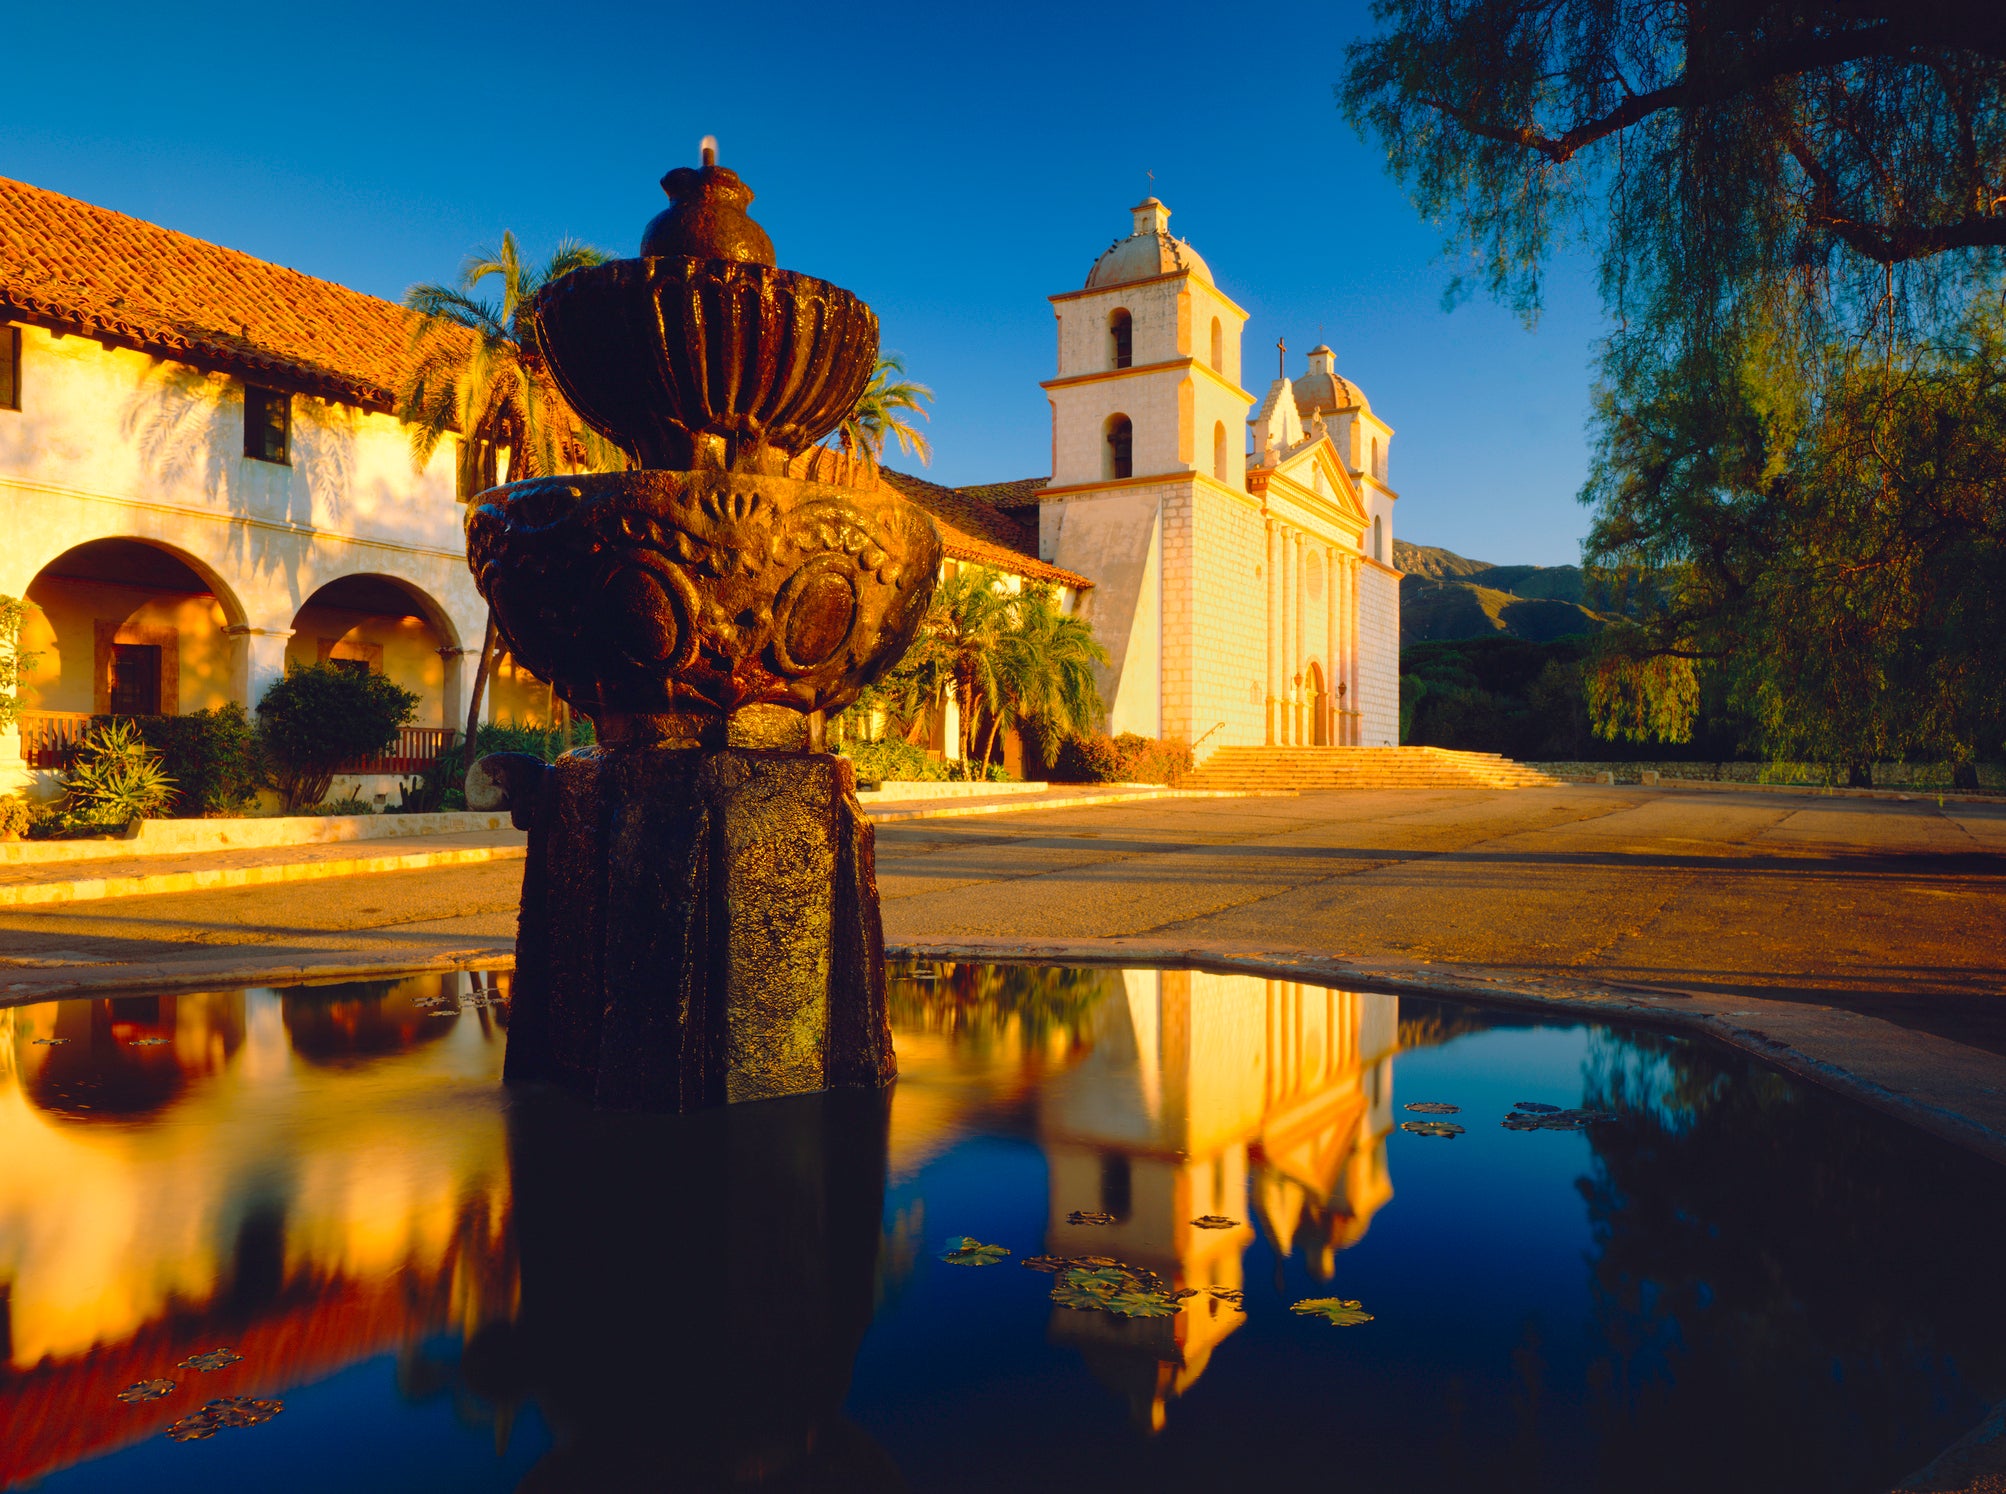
(953,166)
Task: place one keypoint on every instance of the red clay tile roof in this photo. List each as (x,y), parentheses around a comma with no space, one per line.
(973,529)
(970,528)
(74,267)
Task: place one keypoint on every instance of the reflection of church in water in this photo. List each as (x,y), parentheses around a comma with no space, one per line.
(1264,1101)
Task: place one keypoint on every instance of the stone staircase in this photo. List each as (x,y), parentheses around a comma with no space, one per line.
(1319,769)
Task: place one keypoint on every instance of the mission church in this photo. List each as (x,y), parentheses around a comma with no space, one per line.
(202,481)
(1244,588)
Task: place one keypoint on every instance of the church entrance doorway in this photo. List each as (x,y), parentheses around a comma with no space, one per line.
(1319,700)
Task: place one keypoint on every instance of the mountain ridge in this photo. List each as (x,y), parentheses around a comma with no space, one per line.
(1446,595)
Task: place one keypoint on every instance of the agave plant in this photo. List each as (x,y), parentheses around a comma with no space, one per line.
(113,778)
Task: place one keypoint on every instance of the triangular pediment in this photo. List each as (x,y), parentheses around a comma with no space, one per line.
(1338,490)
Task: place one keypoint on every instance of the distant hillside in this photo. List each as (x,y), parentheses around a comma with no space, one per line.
(1446,595)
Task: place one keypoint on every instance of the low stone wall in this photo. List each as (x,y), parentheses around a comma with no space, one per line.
(1920,777)
(173,837)
(892,792)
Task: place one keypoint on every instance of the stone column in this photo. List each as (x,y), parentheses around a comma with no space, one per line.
(698,927)
(258,657)
(14,775)
(1304,737)
(1357,734)
(1330,671)
(1269,708)
(453,694)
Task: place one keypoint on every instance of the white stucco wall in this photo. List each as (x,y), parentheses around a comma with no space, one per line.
(115,444)
(1379,655)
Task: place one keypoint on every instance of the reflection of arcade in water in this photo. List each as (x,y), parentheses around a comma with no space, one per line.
(1263,1101)
(189,1171)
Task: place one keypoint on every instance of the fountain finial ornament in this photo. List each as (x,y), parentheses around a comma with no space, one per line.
(700,920)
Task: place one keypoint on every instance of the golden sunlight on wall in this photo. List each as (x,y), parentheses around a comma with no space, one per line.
(404,648)
(517,696)
(64,632)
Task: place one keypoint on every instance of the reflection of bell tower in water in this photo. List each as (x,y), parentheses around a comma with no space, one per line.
(1261,1100)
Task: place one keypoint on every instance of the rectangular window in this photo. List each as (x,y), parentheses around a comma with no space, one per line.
(268,424)
(10,368)
(135,679)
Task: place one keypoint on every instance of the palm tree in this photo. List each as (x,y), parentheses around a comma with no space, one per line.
(958,643)
(880,413)
(1045,673)
(472,369)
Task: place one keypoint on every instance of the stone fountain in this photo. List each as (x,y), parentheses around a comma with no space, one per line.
(700,909)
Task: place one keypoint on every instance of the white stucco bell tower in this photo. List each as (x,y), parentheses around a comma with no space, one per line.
(1147,410)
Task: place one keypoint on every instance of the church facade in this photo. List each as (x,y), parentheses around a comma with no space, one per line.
(1240,553)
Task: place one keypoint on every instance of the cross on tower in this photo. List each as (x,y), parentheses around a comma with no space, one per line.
(1281,358)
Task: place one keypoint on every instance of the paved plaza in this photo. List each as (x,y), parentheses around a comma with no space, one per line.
(1864,934)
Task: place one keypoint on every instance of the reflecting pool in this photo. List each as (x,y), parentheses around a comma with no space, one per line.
(316,1213)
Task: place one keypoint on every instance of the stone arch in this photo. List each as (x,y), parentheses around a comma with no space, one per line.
(125,624)
(1219,466)
(389,624)
(205,568)
(1218,347)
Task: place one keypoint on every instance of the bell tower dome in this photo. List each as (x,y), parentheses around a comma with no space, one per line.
(1148,379)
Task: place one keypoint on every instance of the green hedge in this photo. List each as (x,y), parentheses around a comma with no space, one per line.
(214,758)
(1128,758)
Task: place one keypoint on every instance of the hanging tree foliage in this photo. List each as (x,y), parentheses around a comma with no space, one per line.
(1800,213)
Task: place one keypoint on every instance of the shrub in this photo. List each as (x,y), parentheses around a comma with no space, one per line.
(350,805)
(212,756)
(442,786)
(113,778)
(16,816)
(319,717)
(894,760)
(1128,758)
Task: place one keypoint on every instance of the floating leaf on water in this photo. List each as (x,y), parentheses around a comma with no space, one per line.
(51,1042)
(215,1359)
(1215,1221)
(146,1042)
(146,1390)
(1534,1107)
(1089,1216)
(968,1251)
(1050,1264)
(1558,1120)
(242,1411)
(1142,1305)
(1122,1290)
(447,1013)
(1340,1312)
(1432,1107)
(228,1411)
(1231,1296)
(1432,1128)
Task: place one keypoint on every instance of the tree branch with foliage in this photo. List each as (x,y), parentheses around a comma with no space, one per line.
(1799,211)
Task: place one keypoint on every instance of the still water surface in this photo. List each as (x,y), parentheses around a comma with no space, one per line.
(1739,1283)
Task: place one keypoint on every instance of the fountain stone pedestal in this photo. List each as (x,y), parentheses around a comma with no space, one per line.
(700,909)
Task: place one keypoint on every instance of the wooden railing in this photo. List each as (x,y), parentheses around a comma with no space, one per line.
(48,736)
(417,747)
